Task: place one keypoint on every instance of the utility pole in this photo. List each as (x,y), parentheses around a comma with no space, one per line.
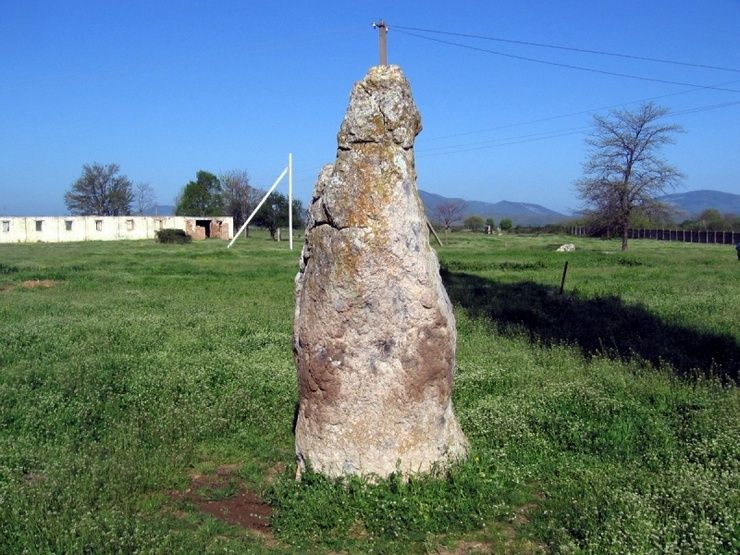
(382,32)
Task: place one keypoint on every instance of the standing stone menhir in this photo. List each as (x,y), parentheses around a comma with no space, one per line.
(374,333)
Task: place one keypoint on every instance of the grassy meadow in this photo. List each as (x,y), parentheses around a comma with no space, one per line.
(146,387)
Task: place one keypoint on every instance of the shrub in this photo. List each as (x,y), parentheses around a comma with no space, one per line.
(172,236)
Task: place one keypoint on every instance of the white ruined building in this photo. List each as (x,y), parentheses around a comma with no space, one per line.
(59,229)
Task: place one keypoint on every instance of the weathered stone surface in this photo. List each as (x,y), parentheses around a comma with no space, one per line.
(374,334)
(567,247)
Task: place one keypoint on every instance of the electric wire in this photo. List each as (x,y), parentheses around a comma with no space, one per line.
(493,143)
(490,141)
(702,108)
(553,135)
(568,66)
(570,48)
(562,116)
(483,145)
(532,137)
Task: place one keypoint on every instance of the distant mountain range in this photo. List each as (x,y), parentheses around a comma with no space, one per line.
(520,213)
(691,203)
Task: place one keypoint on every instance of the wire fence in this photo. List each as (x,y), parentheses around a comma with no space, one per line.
(682,235)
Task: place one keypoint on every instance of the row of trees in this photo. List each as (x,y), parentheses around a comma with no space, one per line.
(448,212)
(233,195)
(102,190)
(476,223)
(712,219)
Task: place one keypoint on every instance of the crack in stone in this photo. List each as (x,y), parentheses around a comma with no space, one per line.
(374,327)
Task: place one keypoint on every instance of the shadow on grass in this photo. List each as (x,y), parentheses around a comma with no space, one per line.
(605,325)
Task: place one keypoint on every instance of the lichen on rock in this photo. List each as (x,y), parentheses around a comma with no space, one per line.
(374,333)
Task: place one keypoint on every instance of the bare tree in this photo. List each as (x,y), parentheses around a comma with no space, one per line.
(144,198)
(623,172)
(449,212)
(239,196)
(100,191)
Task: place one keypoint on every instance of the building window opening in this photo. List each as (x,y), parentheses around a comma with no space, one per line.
(206,224)
(6,226)
(98,225)
(68,225)
(39,225)
(129,225)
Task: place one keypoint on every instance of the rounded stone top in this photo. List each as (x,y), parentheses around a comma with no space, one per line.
(381,109)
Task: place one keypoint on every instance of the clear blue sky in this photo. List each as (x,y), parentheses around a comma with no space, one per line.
(168,88)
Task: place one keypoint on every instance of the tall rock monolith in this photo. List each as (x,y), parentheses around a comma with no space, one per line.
(374,334)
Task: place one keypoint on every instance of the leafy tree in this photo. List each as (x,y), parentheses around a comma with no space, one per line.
(505,224)
(449,212)
(202,197)
(299,214)
(144,198)
(100,191)
(474,223)
(623,172)
(654,215)
(490,222)
(711,220)
(732,222)
(274,214)
(240,197)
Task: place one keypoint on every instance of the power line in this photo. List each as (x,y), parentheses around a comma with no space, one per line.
(703,108)
(571,48)
(517,137)
(568,66)
(562,116)
(532,137)
(552,135)
(441,151)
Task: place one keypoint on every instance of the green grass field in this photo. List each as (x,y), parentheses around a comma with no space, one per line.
(149,382)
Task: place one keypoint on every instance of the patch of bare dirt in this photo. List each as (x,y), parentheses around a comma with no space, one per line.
(521,514)
(33,478)
(505,537)
(224,497)
(243,509)
(466,548)
(273,472)
(5,286)
(358,530)
(34,283)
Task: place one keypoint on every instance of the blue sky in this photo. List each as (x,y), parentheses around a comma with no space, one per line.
(165,89)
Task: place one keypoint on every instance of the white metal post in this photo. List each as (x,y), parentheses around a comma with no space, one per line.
(290,200)
(249,219)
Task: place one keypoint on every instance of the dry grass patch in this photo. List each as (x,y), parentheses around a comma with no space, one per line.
(35,283)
